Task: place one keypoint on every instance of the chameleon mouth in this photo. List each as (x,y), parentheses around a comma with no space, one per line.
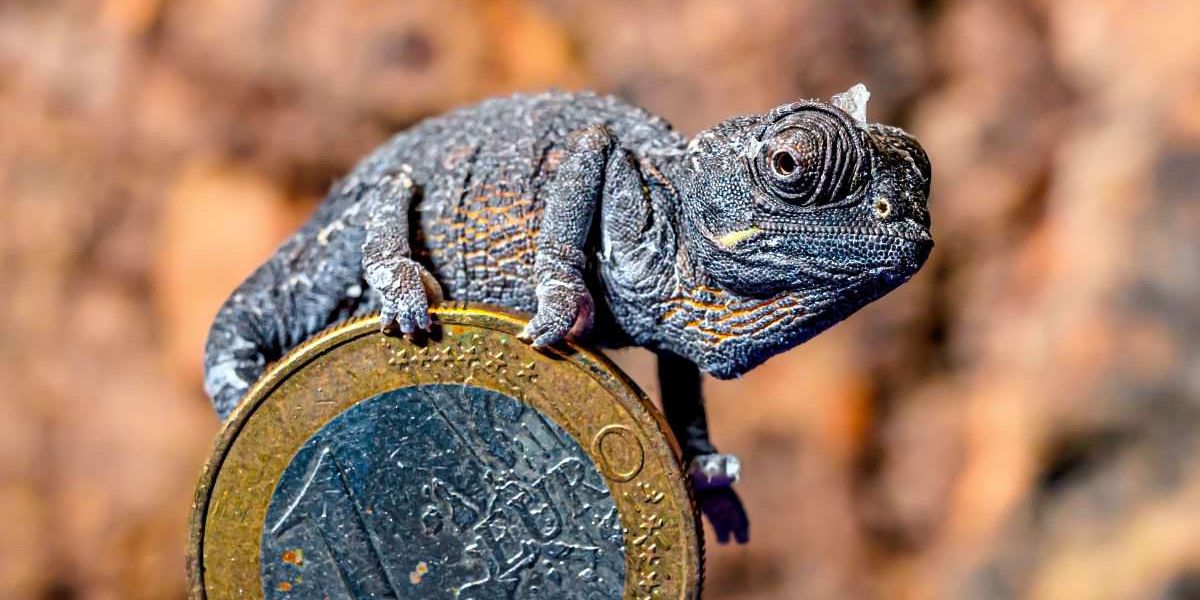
(905,231)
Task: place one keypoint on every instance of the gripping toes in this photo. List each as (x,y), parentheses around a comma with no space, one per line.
(714,470)
(713,476)
(562,308)
(404,299)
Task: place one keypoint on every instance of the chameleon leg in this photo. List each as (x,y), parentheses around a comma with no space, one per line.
(683,405)
(405,287)
(711,473)
(563,301)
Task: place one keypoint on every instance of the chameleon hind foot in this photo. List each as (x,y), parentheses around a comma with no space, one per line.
(713,476)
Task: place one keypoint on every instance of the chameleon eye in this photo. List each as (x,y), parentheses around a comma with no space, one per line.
(784,163)
(813,158)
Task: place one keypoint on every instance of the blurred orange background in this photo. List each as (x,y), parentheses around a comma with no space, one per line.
(1022,420)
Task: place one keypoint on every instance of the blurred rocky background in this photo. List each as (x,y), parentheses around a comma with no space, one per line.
(1021,421)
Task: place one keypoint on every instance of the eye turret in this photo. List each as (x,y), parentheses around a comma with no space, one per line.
(812,157)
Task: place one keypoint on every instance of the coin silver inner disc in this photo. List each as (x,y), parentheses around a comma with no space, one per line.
(442,491)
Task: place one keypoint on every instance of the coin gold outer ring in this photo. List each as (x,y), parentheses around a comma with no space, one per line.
(610,418)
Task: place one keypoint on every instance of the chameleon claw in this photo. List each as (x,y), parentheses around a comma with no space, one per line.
(545,341)
(537,339)
(414,318)
(387,319)
(407,327)
(404,318)
(545,331)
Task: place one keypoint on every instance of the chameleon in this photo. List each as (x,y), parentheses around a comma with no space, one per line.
(607,225)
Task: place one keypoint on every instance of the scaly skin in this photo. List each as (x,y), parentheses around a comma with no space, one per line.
(596,217)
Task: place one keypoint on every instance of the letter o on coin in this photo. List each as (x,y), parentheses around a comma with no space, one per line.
(620,451)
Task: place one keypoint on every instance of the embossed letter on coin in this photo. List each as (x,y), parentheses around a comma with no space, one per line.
(621,454)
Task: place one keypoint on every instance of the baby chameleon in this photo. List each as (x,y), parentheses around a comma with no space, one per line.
(600,220)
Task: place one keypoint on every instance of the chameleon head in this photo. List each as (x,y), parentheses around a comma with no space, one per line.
(808,213)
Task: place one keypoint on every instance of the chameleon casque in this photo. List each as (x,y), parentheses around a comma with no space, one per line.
(599,219)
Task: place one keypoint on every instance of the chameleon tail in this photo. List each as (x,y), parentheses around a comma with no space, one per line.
(312,282)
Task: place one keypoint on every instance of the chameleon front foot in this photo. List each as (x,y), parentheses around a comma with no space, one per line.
(406,290)
(562,308)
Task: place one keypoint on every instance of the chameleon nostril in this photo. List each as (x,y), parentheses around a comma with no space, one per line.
(883,208)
